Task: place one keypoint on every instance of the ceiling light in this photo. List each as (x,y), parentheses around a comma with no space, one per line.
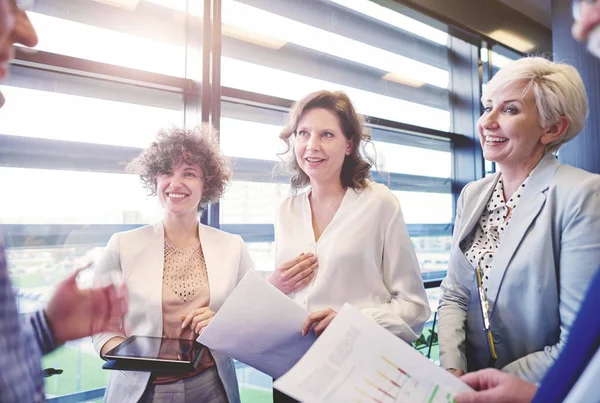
(512,40)
(252,37)
(400,79)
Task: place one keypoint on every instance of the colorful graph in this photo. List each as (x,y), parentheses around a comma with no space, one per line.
(392,384)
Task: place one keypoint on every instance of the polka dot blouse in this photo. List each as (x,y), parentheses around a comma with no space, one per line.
(483,242)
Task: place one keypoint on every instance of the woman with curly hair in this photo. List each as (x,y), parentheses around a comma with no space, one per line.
(178,271)
(343,239)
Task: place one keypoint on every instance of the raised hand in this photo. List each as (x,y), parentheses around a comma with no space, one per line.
(73,312)
(295,274)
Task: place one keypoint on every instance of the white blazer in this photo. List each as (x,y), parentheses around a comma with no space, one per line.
(547,257)
(139,255)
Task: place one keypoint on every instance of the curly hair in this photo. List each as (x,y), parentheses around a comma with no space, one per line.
(356,166)
(197,146)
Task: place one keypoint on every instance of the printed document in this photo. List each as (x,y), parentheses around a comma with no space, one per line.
(357,360)
(260,326)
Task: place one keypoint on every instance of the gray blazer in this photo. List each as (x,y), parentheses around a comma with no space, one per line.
(549,254)
(139,255)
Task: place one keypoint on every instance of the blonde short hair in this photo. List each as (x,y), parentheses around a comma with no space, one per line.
(558,91)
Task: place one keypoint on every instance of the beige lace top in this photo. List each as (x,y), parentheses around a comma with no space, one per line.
(185,287)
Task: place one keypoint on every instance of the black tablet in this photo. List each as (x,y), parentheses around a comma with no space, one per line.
(157,349)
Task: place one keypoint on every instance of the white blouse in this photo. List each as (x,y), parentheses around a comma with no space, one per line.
(365,258)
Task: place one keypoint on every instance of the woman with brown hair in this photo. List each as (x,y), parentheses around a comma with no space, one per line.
(178,271)
(343,238)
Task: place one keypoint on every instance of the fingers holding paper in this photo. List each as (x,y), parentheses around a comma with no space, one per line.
(320,320)
(198,319)
(295,274)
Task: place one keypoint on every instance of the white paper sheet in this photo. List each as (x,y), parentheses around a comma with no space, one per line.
(356,360)
(260,326)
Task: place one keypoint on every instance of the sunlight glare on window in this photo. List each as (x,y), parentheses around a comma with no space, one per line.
(397,158)
(265,80)
(73,197)
(194,7)
(425,208)
(75,39)
(498,60)
(82,119)
(246,139)
(384,14)
(252,202)
(285,29)
(275,26)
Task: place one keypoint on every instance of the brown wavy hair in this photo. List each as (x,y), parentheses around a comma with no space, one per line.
(356,166)
(197,146)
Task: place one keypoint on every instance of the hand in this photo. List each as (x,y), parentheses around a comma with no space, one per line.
(73,313)
(294,274)
(7,20)
(321,319)
(590,19)
(494,386)
(197,319)
(7,24)
(110,344)
(456,372)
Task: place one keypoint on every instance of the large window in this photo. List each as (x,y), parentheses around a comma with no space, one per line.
(109,74)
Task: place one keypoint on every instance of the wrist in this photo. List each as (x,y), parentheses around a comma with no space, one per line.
(40,326)
(51,327)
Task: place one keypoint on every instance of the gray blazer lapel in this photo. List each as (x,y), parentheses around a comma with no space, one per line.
(474,210)
(532,200)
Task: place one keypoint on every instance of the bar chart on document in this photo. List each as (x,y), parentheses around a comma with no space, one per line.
(392,384)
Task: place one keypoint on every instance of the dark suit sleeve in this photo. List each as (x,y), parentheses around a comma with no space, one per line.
(581,346)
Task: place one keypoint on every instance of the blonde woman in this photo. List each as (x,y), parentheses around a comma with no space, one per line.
(527,239)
